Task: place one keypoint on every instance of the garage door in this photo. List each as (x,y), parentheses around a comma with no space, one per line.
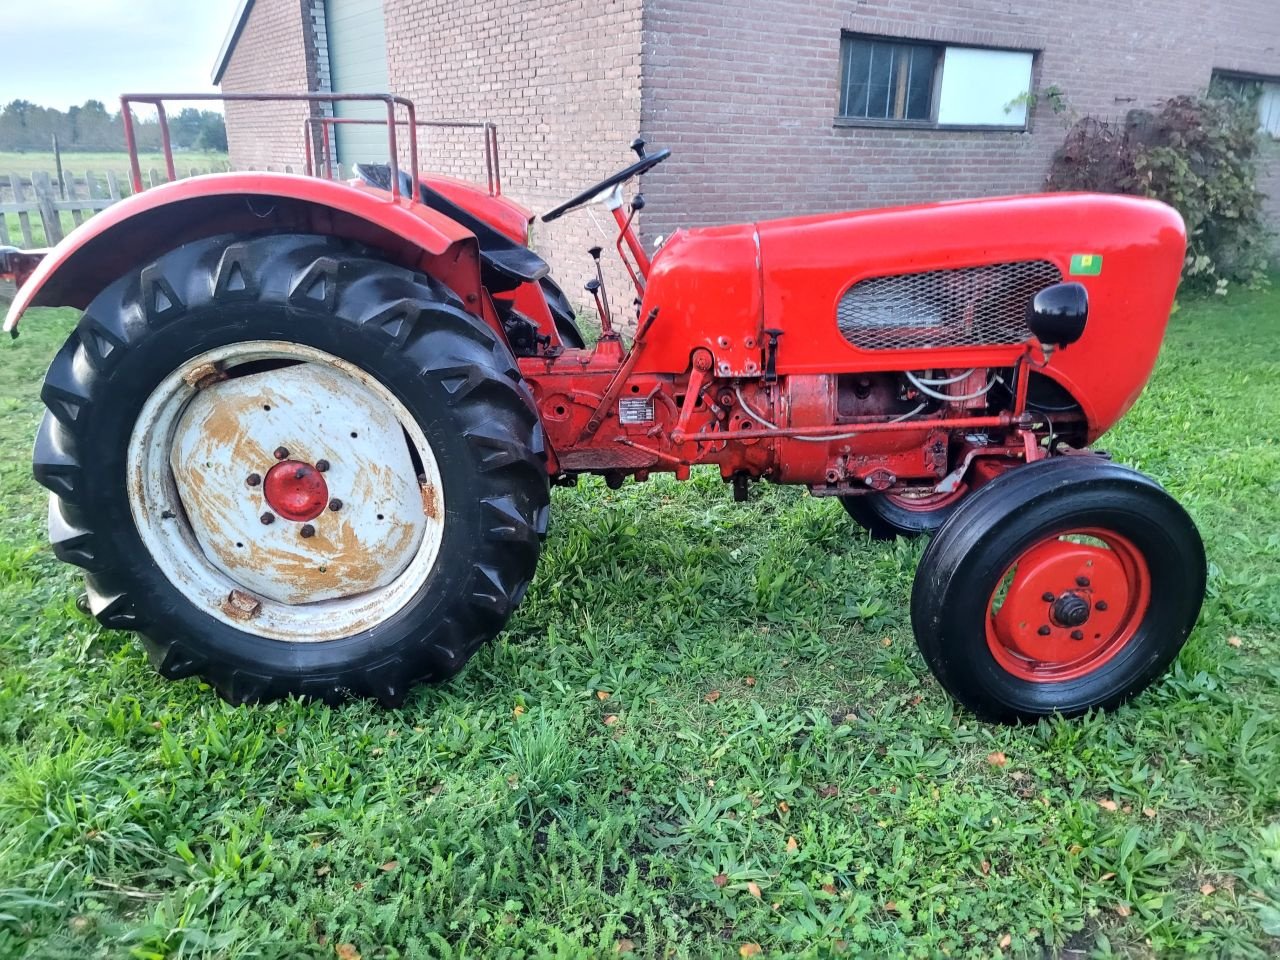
(358,64)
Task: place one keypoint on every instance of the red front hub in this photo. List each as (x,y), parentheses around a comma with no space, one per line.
(296,490)
(1068,605)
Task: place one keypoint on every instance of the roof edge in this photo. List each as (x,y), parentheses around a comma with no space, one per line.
(236,28)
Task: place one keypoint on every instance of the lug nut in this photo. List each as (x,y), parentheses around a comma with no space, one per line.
(268,518)
(1048,597)
(308,530)
(1077,634)
(1082,581)
(1045,630)
(253,479)
(322,465)
(1101,605)
(335,504)
(281,453)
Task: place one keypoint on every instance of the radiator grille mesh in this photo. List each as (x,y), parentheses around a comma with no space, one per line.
(965,307)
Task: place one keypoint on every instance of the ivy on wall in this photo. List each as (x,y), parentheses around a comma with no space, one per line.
(1197,154)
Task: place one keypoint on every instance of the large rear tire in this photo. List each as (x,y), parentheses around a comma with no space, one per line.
(1063,586)
(294,469)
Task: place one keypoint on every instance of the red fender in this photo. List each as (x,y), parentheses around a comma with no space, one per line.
(140,228)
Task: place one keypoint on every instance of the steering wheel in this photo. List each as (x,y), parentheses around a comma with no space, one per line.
(646,163)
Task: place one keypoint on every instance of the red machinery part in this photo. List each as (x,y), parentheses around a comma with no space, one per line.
(1068,605)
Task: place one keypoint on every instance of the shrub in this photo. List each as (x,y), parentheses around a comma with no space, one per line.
(1197,154)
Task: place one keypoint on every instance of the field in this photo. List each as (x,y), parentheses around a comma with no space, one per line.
(706,731)
(100,163)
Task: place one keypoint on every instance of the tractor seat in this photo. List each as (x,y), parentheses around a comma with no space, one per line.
(504,265)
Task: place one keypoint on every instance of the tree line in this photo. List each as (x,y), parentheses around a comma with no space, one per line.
(26,126)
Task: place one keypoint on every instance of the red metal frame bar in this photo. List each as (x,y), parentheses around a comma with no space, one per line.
(493,176)
(157,100)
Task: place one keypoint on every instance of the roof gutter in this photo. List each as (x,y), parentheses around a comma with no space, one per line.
(238,20)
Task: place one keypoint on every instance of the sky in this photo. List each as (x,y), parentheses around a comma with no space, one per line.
(58,53)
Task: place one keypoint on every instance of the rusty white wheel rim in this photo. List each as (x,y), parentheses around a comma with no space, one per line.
(346,476)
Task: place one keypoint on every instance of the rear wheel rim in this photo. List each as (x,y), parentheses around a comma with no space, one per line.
(927,502)
(285,491)
(1067,605)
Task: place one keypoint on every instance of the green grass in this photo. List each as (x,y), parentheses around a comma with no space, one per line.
(100,162)
(580,790)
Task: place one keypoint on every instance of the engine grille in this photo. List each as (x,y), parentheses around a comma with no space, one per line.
(964,307)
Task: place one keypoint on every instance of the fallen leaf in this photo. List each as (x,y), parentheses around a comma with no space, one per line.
(517,711)
(829,888)
(1207,888)
(1075,849)
(281,730)
(997,759)
(886,642)
(749,950)
(712,697)
(389,866)
(623,946)
(1127,808)
(720,879)
(783,806)
(1005,941)
(1109,805)
(157,725)
(1123,909)
(323,870)
(358,885)
(1148,811)
(1234,641)
(610,720)
(376,752)
(986,867)
(602,694)
(891,906)
(792,846)
(753,888)
(392,734)
(347,951)
(1109,875)
(829,791)
(749,681)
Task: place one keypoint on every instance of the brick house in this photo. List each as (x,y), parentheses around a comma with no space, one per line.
(770,107)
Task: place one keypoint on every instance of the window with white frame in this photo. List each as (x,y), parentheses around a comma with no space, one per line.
(926,84)
(1265,93)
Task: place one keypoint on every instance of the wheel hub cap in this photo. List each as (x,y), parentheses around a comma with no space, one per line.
(284,539)
(1070,610)
(1068,605)
(296,490)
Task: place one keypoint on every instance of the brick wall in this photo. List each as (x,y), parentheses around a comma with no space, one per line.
(274,54)
(745,94)
(562,80)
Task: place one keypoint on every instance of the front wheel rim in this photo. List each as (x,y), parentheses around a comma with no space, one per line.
(1067,605)
(285,492)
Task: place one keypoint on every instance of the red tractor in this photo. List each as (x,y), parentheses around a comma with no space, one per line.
(302,438)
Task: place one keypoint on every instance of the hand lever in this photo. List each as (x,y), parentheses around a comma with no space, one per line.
(596,287)
(638,146)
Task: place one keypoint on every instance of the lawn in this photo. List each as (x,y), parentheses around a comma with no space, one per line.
(706,729)
(100,162)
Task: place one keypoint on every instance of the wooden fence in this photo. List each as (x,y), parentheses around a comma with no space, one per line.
(38,211)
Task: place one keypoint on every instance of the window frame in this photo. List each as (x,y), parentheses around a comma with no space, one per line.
(935,91)
(1244,77)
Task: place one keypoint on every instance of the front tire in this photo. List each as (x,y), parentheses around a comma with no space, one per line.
(887,516)
(294,469)
(1063,586)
